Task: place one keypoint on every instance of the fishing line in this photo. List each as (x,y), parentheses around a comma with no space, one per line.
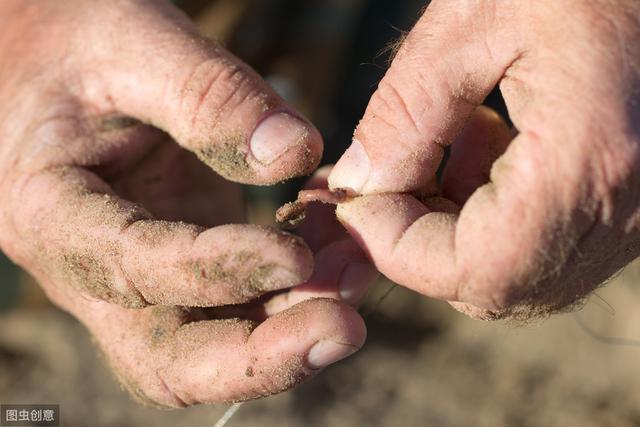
(231,411)
(374,307)
(627,342)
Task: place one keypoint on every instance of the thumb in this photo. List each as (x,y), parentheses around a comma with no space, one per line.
(442,72)
(166,74)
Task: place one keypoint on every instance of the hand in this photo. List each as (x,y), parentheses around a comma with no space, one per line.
(92,199)
(558,212)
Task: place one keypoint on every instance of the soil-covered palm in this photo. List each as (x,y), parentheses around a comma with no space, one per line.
(170,182)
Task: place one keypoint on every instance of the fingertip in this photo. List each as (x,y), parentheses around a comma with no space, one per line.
(309,322)
(355,280)
(326,352)
(295,344)
(352,170)
(284,260)
(284,146)
(342,272)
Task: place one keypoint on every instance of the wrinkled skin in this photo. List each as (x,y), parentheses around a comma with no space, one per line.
(127,227)
(521,225)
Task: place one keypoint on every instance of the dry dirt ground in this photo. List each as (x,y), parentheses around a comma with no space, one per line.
(423,365)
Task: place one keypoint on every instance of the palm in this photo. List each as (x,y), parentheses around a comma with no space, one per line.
(169,181)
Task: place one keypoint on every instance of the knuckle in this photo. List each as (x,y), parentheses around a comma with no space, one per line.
(168,396)
(94,275)
(390,101)
(217,86)
(149,389)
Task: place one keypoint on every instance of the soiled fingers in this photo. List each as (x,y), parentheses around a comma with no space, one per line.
(83,235)
(342,271)
(172,357)
(524,245)
(208,100)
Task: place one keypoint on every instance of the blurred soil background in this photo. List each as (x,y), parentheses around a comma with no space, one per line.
(423,364)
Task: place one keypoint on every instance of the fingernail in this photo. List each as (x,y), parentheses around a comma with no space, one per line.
(276,135)
(326,352)
(355,280)
(352,170)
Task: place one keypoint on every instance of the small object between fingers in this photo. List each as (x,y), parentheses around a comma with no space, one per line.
(293,213)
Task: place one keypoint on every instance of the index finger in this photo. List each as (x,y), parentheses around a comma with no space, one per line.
(208,100)
(443,70)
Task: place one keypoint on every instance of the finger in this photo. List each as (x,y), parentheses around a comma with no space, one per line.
(171,358)
(518,243)
(383,224)
(113,250)
(509,247)
(342,272)
(446,66)
(167,75)
(484,139)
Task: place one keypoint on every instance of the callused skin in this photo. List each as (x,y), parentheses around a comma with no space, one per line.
(127,227)
(557,213)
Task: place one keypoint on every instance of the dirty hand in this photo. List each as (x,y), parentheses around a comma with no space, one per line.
(557,213)
(92,197)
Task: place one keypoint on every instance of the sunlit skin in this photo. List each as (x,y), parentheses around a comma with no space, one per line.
(527,222)
(128,227)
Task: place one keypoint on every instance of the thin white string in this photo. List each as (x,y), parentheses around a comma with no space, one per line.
(228,415)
